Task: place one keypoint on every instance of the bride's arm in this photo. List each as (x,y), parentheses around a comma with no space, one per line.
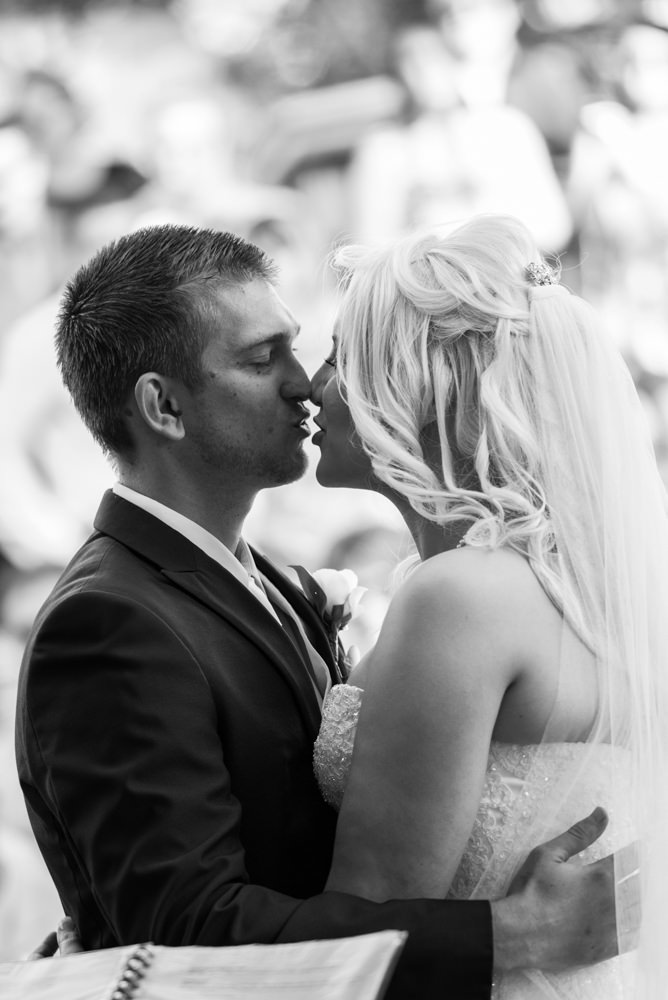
(433,689)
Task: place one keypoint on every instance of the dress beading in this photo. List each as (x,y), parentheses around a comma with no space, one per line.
(531,793)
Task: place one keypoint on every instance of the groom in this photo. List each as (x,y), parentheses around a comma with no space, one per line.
(171,687)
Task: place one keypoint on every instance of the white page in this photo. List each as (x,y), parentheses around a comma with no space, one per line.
(89,976)
(346,968)
(354,968)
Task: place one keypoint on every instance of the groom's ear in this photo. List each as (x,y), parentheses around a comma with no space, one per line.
(157,399)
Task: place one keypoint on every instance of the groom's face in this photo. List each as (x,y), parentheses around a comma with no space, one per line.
(248,418)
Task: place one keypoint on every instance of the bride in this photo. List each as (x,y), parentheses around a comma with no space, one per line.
(518,679)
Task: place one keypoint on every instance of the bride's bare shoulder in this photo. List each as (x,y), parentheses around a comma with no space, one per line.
(483,604)
(469,627)
(483,577)
(447,629)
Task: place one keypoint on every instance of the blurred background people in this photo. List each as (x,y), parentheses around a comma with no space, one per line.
(461,148)
(618,194)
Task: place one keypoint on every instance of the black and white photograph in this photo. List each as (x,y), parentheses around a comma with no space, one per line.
(333,511)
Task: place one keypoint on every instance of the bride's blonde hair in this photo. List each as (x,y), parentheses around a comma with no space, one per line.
(434,332)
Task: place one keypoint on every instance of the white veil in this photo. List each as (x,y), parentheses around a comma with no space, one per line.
(608,572)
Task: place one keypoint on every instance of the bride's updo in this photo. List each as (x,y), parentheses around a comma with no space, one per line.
(435,363)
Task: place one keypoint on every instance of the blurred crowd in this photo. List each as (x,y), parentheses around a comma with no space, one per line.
(299,124)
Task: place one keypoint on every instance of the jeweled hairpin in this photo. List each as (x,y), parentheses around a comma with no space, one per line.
(540,274)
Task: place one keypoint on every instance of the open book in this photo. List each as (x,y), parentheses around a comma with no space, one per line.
(354,968)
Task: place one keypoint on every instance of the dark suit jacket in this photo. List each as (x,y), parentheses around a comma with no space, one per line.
(165,727)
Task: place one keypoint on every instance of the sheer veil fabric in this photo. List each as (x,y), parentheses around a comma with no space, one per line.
(607,570)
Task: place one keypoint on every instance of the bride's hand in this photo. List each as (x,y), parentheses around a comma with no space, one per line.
(69,942)
(557,914)
(65,941)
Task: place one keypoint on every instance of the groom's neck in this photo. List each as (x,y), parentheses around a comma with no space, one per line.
(220,510)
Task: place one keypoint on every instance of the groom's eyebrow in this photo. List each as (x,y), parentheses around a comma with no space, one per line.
(272,338)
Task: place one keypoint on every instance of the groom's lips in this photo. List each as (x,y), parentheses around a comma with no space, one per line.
(302,422)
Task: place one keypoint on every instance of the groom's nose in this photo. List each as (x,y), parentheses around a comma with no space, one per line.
(297,385)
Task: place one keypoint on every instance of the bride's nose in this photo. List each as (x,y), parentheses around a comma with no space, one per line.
(319,381)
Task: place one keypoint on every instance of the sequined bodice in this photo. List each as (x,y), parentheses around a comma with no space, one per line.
(531,793)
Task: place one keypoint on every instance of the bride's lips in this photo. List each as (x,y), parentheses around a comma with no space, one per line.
(319,434)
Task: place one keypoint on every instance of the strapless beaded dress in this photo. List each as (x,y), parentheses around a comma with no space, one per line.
(531,793)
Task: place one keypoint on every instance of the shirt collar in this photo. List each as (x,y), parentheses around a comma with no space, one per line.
(239,564)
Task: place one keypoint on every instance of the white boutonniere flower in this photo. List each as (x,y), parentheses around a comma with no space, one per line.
(335,595)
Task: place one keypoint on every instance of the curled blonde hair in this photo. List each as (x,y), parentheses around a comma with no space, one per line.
(434,333)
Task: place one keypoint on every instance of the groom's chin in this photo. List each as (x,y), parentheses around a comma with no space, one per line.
(297,467)
(284,471)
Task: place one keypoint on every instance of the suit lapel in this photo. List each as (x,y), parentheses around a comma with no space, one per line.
(303,608)
(227,597)
(205,580)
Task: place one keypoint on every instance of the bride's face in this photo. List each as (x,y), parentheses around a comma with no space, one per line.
(342,459)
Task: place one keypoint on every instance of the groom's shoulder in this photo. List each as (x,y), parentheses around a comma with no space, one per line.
(105,590)
(101,567)
(100,559)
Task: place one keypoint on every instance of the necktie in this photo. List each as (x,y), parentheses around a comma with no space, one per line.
(320,673)
(258,591)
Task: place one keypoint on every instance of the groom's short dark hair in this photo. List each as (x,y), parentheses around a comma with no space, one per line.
(142,303)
